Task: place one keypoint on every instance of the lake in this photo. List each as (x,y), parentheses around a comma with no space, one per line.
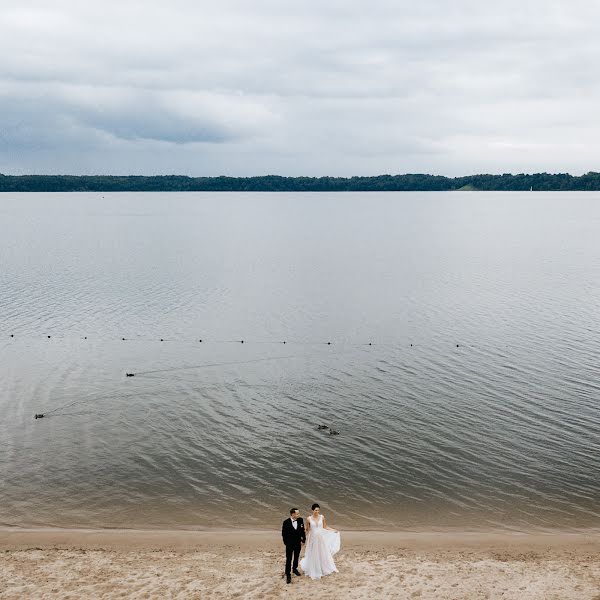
(452,339)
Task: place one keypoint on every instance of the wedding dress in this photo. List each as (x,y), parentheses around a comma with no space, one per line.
(321,545)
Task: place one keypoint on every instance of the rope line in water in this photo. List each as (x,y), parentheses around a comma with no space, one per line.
(95,397)
(57,411)
(222,364)
(239,362)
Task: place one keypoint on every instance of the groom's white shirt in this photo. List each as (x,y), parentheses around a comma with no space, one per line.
(294,523)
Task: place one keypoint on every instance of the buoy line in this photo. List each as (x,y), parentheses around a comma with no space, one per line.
(208,341)
(198,340)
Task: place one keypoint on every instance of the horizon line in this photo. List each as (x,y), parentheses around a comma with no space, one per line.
(222,176)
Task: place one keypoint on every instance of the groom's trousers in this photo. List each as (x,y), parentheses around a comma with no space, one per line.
(292,551)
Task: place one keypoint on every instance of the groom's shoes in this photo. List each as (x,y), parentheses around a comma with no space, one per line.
(296,572)
(288,579)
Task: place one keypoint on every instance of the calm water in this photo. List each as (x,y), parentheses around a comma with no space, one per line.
(477,404)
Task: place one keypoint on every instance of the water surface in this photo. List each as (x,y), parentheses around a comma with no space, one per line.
(475,406)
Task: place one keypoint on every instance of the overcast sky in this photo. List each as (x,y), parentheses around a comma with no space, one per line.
(311,87)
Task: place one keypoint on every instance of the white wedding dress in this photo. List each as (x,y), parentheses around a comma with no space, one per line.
(321,545)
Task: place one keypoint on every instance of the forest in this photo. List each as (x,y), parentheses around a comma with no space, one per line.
(275,183)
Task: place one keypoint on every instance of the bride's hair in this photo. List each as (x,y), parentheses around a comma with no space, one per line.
(315,505)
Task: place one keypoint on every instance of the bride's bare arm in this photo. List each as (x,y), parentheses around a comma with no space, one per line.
(307,526)
(325,526)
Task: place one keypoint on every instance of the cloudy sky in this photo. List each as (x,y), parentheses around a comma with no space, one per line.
(312,87)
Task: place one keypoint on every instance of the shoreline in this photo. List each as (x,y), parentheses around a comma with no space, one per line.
(189,539)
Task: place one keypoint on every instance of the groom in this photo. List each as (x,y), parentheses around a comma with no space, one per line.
(293,535)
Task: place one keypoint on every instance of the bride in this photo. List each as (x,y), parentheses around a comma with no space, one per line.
(321,544)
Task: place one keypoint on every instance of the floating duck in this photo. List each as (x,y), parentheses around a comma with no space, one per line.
(319,427)
(333,432)
(39,416)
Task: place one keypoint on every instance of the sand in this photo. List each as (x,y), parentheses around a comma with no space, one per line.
(81,564)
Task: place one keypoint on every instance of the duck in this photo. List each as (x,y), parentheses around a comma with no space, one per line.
(320,427)
(333,432)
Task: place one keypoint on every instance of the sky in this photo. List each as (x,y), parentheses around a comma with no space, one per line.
(327,87)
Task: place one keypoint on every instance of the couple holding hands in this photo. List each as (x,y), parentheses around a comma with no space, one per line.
(321,542)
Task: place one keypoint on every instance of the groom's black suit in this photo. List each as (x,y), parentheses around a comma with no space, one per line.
(292,538)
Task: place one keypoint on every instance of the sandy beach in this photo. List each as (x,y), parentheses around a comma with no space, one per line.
(51,563)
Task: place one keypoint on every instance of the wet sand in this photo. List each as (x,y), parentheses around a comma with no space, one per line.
(58,563)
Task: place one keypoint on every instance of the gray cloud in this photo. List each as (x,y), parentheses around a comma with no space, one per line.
(313,88)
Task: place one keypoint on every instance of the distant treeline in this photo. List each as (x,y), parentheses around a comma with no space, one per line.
(275,183)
